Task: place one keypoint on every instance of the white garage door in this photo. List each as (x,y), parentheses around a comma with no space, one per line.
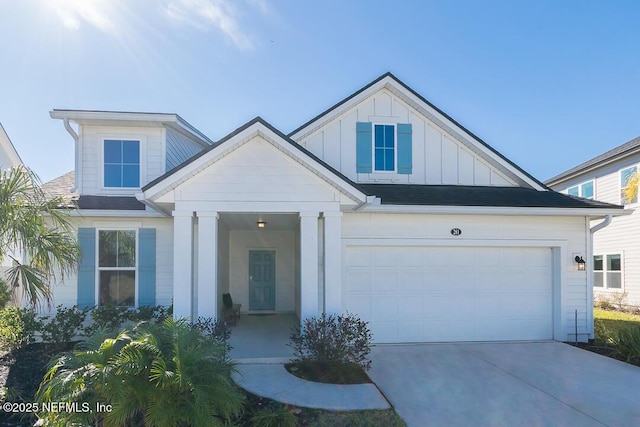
(433,294)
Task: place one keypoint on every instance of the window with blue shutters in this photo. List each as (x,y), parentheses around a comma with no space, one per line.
(384,146)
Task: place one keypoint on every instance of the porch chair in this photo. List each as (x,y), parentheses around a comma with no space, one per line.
(231,311)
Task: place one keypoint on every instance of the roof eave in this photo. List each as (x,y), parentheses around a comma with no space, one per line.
(495,210)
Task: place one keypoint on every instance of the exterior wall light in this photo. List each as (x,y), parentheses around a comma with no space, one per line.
(261,223)
(581,263)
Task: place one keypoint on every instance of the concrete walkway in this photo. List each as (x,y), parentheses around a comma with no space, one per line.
(273,381)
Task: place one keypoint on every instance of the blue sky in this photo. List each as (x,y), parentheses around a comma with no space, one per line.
(549,84)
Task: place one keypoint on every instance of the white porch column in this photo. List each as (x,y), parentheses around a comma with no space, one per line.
(182,264)
(207,264)
(308,264)
(333,262)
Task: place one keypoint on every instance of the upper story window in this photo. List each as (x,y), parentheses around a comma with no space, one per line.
(117,267)
(607,271)
(584,190)
(625,176)
(385,147)
(121,163)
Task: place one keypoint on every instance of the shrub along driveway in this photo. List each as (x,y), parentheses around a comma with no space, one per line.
(506,384)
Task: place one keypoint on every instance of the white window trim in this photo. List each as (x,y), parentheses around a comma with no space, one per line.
(620,184)
(143,166)
(99,269)
(373,148)
(579,186)
(604,272)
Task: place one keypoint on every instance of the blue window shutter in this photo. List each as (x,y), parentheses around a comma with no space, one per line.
(363,147)
(405,163)
(87,268)
(147,266)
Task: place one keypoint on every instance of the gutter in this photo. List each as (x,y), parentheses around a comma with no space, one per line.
(76,139)
(592,230)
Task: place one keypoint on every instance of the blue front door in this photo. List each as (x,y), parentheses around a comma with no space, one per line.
(262,280)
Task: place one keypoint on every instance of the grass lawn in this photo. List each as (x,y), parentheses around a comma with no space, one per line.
(606,324)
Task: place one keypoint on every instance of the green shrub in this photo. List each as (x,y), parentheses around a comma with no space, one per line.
(17,327)
(273,416)
(217,330)
(627,342)
(62,327)
(112,318)
(158,374)
(5,294)
(334,338)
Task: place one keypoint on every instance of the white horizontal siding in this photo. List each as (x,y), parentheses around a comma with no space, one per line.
(438,157)
(65,291)
(179,148)
(91,137)
(567,233)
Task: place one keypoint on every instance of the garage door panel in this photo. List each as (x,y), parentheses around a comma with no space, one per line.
(456,294)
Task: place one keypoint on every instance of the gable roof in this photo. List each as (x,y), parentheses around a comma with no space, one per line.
(346,182)
(9,148)
(392,79)
(469,195)
(626,149)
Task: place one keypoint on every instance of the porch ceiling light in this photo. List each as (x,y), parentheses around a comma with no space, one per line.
(581,263)
(261,223)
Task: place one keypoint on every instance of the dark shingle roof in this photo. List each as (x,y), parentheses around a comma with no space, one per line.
(61,186)
(620,151)
(467,195)
(118,203)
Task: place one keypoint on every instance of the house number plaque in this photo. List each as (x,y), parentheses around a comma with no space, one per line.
(456,232)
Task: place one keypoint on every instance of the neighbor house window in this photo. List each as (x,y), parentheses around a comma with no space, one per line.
(607,271)
(625,175)
(384,147)
(121,163)
(117,267)
(584,190)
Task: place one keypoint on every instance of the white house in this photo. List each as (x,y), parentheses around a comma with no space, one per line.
(382,205)
(616,249)
(8,155)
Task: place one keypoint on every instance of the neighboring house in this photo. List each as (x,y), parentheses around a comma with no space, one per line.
(382,206)
(9,158)
(616,249)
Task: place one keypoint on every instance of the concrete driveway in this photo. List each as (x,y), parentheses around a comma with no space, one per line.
(510,384)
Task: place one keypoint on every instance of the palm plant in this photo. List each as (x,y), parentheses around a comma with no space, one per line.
(630,191)
(166,374)
(32,223)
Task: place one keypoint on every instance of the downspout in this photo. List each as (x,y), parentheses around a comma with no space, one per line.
(76,139)
(592,230)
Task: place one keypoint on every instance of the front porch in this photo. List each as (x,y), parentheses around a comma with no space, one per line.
(257,337)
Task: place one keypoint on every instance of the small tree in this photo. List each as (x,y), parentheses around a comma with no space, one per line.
(33,223)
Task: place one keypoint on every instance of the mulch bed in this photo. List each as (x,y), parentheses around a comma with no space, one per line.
(330,373)
(21,371)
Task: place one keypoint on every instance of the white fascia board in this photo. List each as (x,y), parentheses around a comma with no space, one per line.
(81,115)
(495,210)
(593,167)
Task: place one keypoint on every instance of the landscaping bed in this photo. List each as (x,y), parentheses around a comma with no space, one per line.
(326,372)
(608,325)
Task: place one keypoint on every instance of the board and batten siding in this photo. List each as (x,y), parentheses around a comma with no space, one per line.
(5,161)
(622,236)
(438,157)
(65,291)
(482,231)
(151,156)
(179,148)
